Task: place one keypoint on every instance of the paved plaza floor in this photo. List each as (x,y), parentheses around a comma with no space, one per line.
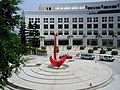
(75,74)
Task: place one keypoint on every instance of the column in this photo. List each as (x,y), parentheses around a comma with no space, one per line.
(99,42)
(115,42)
(85,41)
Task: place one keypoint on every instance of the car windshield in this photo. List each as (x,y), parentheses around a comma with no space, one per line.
(110,56)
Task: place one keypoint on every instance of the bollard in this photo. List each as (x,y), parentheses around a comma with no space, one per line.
(90,84)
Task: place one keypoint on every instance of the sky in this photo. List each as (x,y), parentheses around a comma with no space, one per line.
(34,4)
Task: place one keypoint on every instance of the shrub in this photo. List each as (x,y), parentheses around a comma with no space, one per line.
(95,48)
(102,51)
(42,50)
(82,47)
(109,48)
(114,53)
(69,47)
(90,51)
(43,47)
(33,50)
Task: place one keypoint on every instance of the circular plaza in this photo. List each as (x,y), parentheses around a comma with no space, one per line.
(74,74)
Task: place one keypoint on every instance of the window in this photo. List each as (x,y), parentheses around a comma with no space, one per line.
(48,8)
(80,32)
(89,19)
(110,32)
(80,26)
(60,32)
(95,26)
(60,26)
(118,32)
(66,32)
(118,18)
(95,32)
(51,20)
(106,7)
(80,19)
(37,20)
(74,19)
(66,20)
(111,19)
(45,32)
(104,32)
(52,26)
(118,25)
(74,26)
(104,19)
(111,25)
(104,25)
(31,20)
(74,32)
(66,26)
(95,19)
(60,20)
(45,20)
(89,32)
(51,32)
(89,25)
(45,26)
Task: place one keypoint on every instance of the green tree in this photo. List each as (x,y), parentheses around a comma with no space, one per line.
(34,34)
(22,33)
(11,50)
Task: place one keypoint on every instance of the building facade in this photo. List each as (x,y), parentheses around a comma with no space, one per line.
(92,23)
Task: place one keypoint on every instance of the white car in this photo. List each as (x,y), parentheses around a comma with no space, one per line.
(106,58)
(87,56)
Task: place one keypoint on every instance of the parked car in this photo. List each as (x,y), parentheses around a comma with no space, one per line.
(106,58)
(67,56)
(85,56)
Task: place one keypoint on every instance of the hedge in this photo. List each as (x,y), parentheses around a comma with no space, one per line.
(102,51)
(95,48)
(109,48)
(69,47)
(82,47)
(114,52)
(90,51)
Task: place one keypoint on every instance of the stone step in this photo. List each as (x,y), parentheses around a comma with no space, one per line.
(78,75)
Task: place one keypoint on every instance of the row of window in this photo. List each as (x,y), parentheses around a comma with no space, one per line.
(86,7)
(104,7)
(77,26)
(80,32)
(74,20)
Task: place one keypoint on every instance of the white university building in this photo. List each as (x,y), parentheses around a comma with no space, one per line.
(90,23)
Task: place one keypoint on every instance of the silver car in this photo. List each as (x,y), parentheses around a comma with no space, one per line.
(106,58)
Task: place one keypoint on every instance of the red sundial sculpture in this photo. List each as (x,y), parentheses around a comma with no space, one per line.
(54,61)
